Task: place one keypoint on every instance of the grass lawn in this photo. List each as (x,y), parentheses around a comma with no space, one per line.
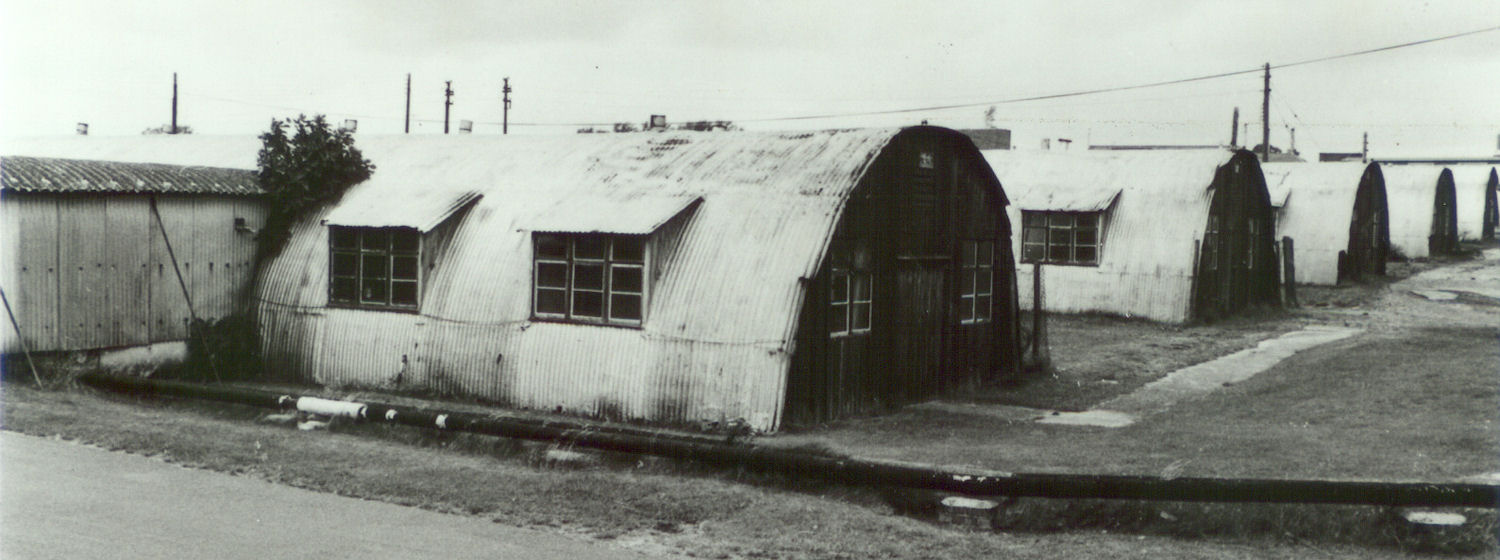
(1415,406)
(652,506)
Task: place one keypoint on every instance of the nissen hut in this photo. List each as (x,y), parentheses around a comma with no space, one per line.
(673,277)
(1424,213)
(104,255)
(1474,198)
(1169,235)
(1337,217)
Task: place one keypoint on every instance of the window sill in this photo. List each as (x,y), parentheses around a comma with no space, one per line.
(1085,265)
(564,321)
(359,307)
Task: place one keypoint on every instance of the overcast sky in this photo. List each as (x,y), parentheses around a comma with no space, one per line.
(110,64)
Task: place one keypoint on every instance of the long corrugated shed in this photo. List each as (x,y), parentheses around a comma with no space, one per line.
(1159,208)
(84,258)
(1316,203)
(721,315)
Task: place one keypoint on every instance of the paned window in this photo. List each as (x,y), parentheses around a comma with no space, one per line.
(1060,237)
(374,267)
(849,302)
(589,278)
(978,281)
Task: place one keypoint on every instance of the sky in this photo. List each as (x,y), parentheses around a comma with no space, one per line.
(764,65)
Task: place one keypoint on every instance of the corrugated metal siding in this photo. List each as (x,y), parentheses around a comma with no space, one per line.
(719,322)
(35,174)
(1471,184)
(1410,190)
(1146,265)
(1318,206)
(93,271)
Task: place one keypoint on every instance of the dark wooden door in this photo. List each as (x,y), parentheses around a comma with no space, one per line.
(919,331)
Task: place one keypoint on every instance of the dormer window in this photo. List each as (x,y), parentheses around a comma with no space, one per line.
(374,268)
(590,278)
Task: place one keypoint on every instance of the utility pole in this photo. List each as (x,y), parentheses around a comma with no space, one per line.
(408,102)
(1234,129)
(447,103)
(1265,118)
(505,115)
(1364,148)
(174,104)
(1292,147)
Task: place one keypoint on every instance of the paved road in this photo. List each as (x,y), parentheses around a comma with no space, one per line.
(62,500)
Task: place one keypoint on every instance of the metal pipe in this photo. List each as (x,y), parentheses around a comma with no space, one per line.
(846,470)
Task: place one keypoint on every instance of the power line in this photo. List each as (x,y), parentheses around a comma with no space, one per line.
(1131,87)
(1013,100)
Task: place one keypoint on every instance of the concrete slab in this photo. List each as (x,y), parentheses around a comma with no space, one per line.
(1098,418)
(1201,379)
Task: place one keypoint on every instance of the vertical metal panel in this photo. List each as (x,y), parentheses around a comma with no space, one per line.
(82,223)
(35,295)
(129,253)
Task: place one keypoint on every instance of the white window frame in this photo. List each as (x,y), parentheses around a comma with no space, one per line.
(851,302)
(1061,236)
(614,267)
(362,275)
(977,281)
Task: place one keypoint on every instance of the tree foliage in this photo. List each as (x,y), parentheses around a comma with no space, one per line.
(302,171)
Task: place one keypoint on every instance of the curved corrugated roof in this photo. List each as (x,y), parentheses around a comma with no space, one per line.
(1410,190)
(1160,208)
(1470,185)
(57,175)
(1316,210)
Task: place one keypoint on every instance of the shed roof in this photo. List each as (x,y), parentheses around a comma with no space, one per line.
(56,175)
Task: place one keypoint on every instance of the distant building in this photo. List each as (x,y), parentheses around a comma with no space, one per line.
(1340,156)
(1171,235)
(1336,215)
(989,138)
(1423,209)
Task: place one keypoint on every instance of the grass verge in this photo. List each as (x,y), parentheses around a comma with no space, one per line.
(648,505)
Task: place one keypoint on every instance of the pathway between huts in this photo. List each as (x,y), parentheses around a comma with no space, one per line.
(1200,379)
(1462,294)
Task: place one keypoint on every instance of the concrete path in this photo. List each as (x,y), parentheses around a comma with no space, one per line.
(1201,379)
(63,500)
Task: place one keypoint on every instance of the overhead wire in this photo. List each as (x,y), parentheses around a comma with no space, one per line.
(943,107)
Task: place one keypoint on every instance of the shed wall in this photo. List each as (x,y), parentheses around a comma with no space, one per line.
(91,271)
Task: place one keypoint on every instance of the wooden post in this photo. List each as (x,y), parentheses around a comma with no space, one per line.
(1289,272)
(20,338)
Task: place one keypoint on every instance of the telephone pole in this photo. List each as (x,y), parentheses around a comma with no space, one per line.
(408,102)
(447,103)
(1265,118)
(174,103)
(1234,129)
(505,114)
